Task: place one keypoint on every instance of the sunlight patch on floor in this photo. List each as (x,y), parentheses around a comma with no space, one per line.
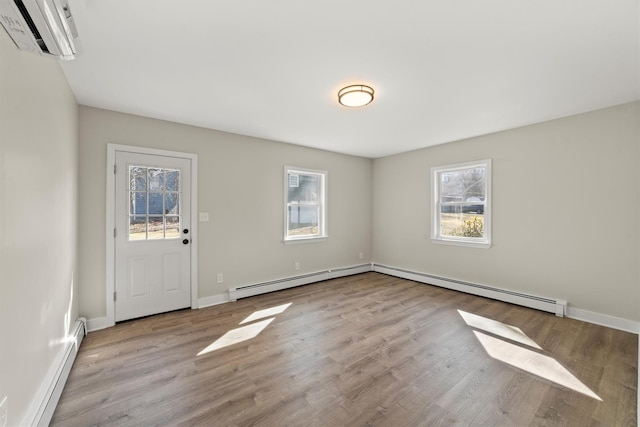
(247,332)
(237,335)
(533,362)
(526,359)
(267,312)
(498,328)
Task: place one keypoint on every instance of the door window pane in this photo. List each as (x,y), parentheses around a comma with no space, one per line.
(137,228)
(155,228)
(138,203)
(172,180)
(138,178)
(156,179)
(171,204)
(154,203)
(172,228)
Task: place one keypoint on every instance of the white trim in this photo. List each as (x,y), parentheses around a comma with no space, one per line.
(350,271)
(465,243)
(44,404)
(110,221)
(305,240)
(194,230)
(604,320)
(110,226)
(213,300)
(98,323)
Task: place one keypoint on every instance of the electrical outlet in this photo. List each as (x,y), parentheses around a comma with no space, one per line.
(297,265)
(204,216)
(3,412)
(220,278)
(360,255)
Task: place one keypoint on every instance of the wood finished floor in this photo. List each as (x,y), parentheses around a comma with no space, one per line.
(362,350)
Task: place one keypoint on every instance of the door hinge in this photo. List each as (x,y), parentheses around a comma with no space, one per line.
(114,169)
(115,296)
(114,232)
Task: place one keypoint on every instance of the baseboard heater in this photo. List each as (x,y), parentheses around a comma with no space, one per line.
(291,282)
(558,307)
(45,404)
(555,306)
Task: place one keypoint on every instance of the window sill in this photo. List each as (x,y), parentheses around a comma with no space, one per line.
(305,240)
(465,243)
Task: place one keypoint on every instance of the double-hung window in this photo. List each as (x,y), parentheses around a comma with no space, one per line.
(305,204)
(461,204)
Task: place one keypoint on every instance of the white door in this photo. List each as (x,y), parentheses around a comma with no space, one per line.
(152,237)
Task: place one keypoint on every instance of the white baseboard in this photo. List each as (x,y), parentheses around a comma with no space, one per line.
(98,323)
(46,400)
(604,320)
(350,271)
(213,300)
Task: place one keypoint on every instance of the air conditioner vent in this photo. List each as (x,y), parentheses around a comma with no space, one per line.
(43,27)
(32,25)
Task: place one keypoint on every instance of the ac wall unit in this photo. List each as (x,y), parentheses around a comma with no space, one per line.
(43,27)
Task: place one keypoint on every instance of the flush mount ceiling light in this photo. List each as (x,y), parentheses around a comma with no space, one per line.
(355,96)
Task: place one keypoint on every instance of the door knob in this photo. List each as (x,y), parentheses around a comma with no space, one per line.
(185,241)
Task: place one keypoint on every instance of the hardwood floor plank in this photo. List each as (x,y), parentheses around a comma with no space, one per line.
(362,350)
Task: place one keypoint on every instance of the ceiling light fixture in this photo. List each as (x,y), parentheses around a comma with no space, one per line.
(355,96)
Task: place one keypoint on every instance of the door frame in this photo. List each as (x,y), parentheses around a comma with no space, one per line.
(111,221)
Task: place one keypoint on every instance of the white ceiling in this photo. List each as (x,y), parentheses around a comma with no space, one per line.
(442,70)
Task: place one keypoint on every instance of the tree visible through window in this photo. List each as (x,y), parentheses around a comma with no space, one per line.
(304,204)
(461,204)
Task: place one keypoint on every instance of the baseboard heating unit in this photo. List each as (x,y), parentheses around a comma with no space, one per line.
(291,282)
(558,307)
(43,406)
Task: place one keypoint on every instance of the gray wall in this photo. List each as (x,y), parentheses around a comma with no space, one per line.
(565,211)
(38,212)
(240,184)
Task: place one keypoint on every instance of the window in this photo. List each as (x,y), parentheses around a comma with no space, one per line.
(154,203)
(305,204)
(461,204)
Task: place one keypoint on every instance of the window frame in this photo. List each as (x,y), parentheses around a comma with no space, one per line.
(322,204)
(436,211)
